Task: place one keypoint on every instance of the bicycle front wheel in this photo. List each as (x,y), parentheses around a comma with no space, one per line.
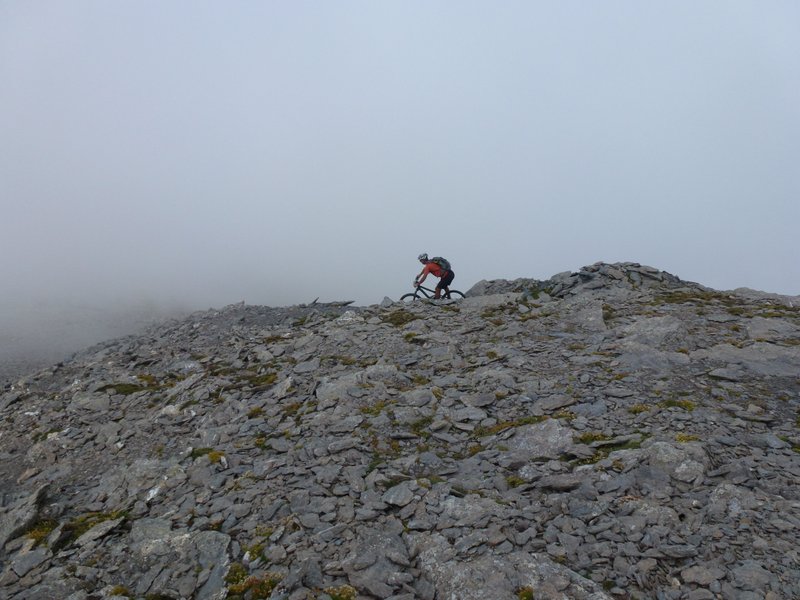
(410,297)
(455,295)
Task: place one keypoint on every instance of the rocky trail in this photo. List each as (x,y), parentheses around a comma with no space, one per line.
(611,433)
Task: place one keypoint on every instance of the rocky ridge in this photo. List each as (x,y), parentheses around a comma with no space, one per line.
(611,433)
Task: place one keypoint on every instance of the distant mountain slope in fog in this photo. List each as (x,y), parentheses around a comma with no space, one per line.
(37,335)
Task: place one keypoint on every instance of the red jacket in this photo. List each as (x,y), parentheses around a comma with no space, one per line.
(432,268)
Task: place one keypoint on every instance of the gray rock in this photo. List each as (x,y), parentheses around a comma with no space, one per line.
(702,575)
(399,495)
(98,531)
(420,450)
(25,562)
(19,516)
(548,439)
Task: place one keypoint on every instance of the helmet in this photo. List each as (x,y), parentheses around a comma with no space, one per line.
(423,256)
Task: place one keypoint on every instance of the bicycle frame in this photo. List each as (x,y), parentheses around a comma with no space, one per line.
(427,292)
(424,293)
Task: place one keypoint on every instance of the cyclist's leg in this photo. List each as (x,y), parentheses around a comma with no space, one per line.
(445,283)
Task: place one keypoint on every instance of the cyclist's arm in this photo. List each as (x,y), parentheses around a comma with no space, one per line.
(422,275)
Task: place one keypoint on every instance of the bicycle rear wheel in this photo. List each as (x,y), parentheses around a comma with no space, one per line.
(410,297)
(455,295)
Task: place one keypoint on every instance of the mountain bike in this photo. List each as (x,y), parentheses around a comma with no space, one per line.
(422,293)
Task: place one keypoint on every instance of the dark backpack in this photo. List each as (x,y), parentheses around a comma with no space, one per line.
(442,262)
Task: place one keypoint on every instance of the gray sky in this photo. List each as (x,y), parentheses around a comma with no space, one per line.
(273,152)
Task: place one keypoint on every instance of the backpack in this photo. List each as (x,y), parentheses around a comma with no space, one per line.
(442,262)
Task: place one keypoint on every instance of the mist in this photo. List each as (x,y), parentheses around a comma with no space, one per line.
(190,155)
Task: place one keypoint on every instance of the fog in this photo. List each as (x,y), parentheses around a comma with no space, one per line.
(185,155)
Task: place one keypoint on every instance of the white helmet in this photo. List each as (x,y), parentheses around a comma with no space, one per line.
(423,256)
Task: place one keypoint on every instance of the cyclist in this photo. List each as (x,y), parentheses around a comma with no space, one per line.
(435,268)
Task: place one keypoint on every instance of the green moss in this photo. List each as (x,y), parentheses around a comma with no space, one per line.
(514,481)
(608,313)
(39,531)
(475,449)
(420,427)
(236,574)
(148,379)
(215,456)
(373,410)
(689,296)
(221,369)
(591,436)
(603,452)
(529,317)
(123,389)
(525,593)
(638,408)
(291,409)
(260,379)
(120,590)
(198,452)
(83,523)
(42,435)
(255,412)
(256,549)
(382,449)
(343,592)
(398,318)
(686,405)
(482,431)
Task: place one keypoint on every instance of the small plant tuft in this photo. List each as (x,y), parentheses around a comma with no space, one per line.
(525,593)
(591,436)
(41,529)
(398,318)
(686,405)
(343,592)
(514,481)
